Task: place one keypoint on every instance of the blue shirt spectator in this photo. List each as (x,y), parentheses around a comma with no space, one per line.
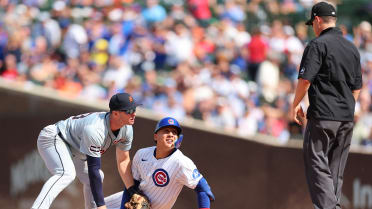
(154,12)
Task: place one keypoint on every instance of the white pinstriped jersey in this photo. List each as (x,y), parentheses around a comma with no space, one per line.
(90,134)
(162,180)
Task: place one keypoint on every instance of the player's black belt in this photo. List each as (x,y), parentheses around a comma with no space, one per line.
(63,139)
(60,135)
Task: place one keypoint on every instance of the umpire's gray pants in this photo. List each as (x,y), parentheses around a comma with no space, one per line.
(326,148)
(63,166)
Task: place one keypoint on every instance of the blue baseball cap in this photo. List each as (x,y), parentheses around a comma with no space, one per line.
(166,122)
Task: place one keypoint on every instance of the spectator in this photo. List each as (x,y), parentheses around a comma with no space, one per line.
(257,49)
(233,12)
(118,73)
(248,125)
(268,77)
(10,71)
(222,117)
(204,47)
(153,12)
(200,10)
(179,39)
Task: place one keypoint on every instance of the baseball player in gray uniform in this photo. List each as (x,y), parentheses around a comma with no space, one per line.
(73,147)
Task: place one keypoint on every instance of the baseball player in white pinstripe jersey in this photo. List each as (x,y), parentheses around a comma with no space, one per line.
(73,147)
(161,171)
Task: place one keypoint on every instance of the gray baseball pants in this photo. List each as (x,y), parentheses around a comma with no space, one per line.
(63,166)
(326,148)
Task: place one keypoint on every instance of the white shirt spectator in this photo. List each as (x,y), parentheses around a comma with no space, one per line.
(224,117)
(53,32)
(93,91)
(247,126)
(179,46)
(277,44)
(120,73)
(221,85)
(268,80)
(239,86)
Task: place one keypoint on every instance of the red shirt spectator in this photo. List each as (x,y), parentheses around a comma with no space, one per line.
(257,49)
(200,9)
(10,67)
(11,74)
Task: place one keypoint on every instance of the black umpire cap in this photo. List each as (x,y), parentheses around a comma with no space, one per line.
(122,101)
(321,9)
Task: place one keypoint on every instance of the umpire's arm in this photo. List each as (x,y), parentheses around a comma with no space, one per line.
(301,89)
(356,94)
(124,167)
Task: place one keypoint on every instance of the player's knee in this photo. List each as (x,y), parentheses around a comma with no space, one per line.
(66,176)
(69,175)
(102,174)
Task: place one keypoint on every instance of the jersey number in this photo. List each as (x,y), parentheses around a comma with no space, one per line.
(81,116)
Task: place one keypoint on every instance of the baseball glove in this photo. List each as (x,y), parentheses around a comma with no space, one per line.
(138,201)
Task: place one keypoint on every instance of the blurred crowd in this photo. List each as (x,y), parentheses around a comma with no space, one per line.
(226,62)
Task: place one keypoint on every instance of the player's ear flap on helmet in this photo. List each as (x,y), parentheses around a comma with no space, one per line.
(177,143)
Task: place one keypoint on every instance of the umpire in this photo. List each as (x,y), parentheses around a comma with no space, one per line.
(331,75)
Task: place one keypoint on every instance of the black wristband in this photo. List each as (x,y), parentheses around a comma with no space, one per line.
(133,190)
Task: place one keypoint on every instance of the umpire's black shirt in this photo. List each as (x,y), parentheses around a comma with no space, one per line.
(332,65)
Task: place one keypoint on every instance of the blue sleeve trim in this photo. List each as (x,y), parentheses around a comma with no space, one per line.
(94,164)
(204,187)
(203,200)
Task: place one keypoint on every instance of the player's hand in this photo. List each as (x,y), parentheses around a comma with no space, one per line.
(138,201)
(102,207)
(298,115)
(134,190)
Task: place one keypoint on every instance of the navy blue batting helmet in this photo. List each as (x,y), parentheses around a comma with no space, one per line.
(168,121)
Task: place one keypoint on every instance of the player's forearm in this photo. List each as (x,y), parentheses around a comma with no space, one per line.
(126,173)
(102,207)
(302,87)
(356,94)
(124,167)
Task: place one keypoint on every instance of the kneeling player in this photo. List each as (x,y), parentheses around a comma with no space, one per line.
(161,171)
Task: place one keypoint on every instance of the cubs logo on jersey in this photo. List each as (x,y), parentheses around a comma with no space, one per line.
(195,173)
(160,177)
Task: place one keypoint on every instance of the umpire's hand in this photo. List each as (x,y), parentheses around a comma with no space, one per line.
(298,115)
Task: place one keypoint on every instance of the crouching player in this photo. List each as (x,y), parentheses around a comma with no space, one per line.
(161,171)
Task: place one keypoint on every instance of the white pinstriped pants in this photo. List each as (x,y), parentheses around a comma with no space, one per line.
(63,167)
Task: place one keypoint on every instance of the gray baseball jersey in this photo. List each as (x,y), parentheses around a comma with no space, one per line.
(162,179)
(90,134)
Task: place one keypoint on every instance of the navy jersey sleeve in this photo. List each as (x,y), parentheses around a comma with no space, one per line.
(311,62)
